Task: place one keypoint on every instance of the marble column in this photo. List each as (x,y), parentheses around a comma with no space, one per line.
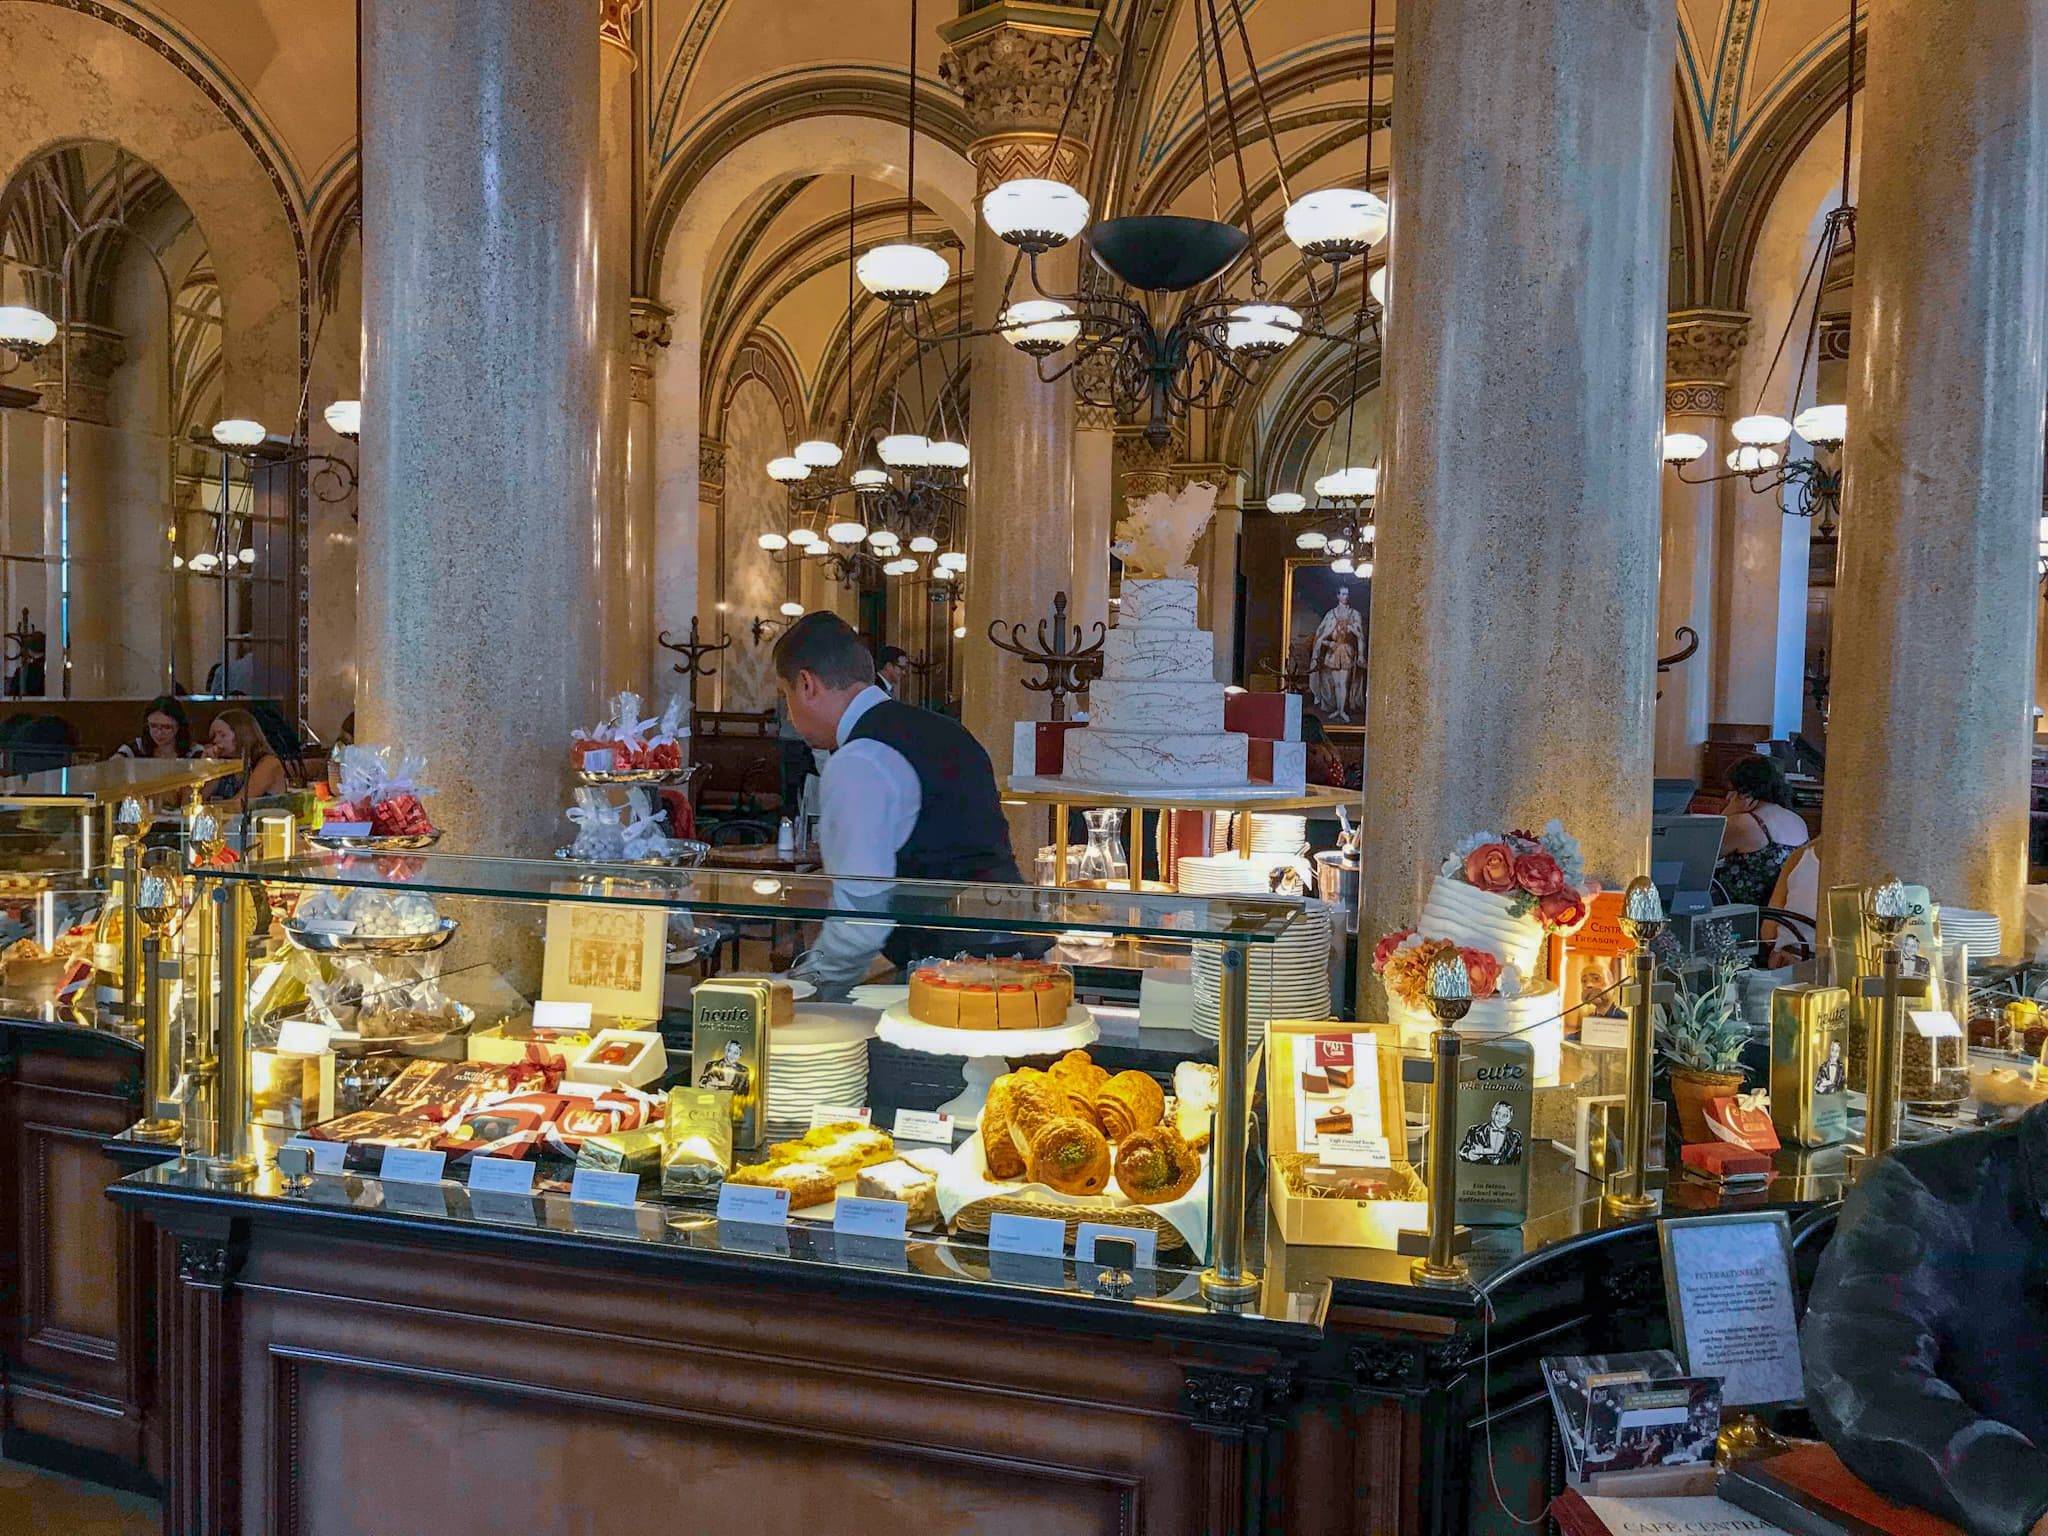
(1515,585)
(651,333)
(1013,81)
(1928,746)
(481,404)
(1094,512)
(1216,557)
(90,490)
(721,621)
(623,641)
(1700,349)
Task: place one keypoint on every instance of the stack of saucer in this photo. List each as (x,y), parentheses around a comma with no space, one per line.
(1288,979)
(1979,930)
(1229,874)
(821,1058)
(1270,832)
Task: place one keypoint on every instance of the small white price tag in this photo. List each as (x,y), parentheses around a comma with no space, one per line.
(1934,1023)
(753,1203)
(568,1017)
(328,1156)
(1354,1152)
(501,1175)
(1146,1239)
(344,829)
(599,1186)
(599,761)
(340,927)
(924,1125)
(409,1165)
(1605,1034)
(837,1114)
(864,1217)
(1041,1236)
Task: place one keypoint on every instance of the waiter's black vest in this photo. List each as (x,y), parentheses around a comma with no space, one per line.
(961,833)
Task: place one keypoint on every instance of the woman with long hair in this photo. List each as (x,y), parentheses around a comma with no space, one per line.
(237,737)
(166,731)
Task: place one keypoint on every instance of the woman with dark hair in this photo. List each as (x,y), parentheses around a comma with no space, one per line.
(1762,832)
(236,736)
(166,731)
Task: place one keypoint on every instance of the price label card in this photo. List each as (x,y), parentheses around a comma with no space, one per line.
(1042,1236)
(408,1165)
(340,927)
(599,1186)
(495,1205)
(598,761)
(612,1220)
(501,1175)
(418,1199)
(871,1218)
(345,829)
(753,1203)
(1146,1239)
(1354,1152)
(328,1156)
(924,1125)
(1934,1023)
(837,1114)
(568,1017)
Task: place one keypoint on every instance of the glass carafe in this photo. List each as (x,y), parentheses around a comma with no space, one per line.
(1104,860)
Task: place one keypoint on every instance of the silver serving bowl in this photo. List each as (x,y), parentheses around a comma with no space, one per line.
(372,944)
(685,854)
(680,775)
(375,844)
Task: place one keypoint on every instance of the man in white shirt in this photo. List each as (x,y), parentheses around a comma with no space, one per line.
(905,793)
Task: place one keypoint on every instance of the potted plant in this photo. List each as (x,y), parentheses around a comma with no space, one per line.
(1701,1034)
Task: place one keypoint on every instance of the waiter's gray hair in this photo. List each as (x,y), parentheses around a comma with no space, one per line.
(827,647)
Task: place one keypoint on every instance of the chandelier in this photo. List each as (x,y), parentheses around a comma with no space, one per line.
(872,510)
(1185,342)
(1810,487)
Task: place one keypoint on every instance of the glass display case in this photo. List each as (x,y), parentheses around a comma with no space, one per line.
(499,1031)
(60,821)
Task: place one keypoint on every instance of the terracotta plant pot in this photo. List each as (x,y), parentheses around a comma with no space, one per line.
(1690,1091)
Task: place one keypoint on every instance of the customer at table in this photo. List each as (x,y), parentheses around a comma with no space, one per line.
(1761,834)
(892,669)
(1926,1332)
(166,731)
(905,792)
(235,736)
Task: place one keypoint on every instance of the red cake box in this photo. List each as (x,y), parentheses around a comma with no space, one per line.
(1725,1160)
(1263,716)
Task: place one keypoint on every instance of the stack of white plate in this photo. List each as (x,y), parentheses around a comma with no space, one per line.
(1270,832)
(820,1058)
(1288,979)
(1979,930)
(1228,874)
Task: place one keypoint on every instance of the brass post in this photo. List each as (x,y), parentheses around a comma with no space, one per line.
(131,934)
(234,1154)
(155,904)
(1450,999)
(1642,919)
(200,1069)
(1227,1281)
(1887,911)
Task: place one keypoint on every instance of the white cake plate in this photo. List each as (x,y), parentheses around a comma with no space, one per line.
(980,1067)
(1164,795)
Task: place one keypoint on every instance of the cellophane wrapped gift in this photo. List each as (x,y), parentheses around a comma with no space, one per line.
(380,785)
(665,746)
(600,832)
(646,837)
(623,735)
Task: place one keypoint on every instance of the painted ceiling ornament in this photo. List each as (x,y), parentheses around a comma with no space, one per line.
(1156,540)
(1016,81)
(615,22)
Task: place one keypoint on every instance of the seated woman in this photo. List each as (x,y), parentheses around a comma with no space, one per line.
(1926,1332)
(166,731)
(236,737)
(1761,834)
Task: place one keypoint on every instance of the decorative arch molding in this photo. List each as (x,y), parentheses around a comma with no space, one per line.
(1688,208)
(766,357)
(1277,454)
(337,216)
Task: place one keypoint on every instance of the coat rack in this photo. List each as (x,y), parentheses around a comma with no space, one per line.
(693,651)
(1069,665)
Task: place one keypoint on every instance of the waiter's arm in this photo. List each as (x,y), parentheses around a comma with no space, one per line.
(870,799)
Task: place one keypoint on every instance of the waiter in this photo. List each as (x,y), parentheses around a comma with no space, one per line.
(905,793)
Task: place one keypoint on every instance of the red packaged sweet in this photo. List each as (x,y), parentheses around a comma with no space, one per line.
(1725,1160)
(1743,1120)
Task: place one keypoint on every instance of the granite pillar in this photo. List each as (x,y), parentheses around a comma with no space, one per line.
(623,641)
(1514,592)
(1928,746)
(1700,348)
(481,391)
(1094,506)
(1216,557)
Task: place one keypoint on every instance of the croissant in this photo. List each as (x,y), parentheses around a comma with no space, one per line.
(1079,1078)
(1155,1166)
(1035,1102)
(998,1151)
(1071,1156)
(1130,1101)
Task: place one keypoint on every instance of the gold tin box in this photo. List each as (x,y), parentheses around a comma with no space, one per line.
(729,1025)
(1810,1065)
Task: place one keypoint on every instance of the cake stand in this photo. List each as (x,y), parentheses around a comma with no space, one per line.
(980,1065)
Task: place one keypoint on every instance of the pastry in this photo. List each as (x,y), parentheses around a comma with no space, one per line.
(1336,1123)
(845,1148)
(808,1183)
(900,1181)
(1036,1100)
(1340,1077)
(991,994)
(934,999)
(1080,1079)
(1194,1102)
(1315,1082)
(1130,1101)
(1071,1156)
(1155,1166)
(978,1007)
(999,1152)
(931,1160)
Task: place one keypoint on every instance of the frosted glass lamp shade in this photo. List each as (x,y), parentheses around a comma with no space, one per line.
(792,610)
(846,533)
(943,573)
(1337,544)
(1763,431)
(870,479)
(1035,214)
(1754,458)
(1336,224)
(788,469)
(1376,285)
(1369,533)
(960,632)
(947,454)
(238,432)
(1310,539)
(816,453)
(1683,447)
(1365,569)
(1342,565)
(905,449)
(1824,426)
(25,331)
(772,542)
(1350,484)
(345,417)
(881,538)
(902,274)
(924,544)
(952,560)
(1039,327)
(804,538)
(1286,502)
(1261,330)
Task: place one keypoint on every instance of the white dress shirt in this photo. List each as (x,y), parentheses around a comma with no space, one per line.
(869,799)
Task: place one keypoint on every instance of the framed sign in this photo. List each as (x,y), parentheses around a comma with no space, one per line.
(1327,614)
(1728,1286)
(609,957)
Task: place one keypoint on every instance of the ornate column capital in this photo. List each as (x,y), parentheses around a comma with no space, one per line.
(647,336)
(615,24)
(95,353)
(1092,376)
(710,464)
(1014,65)
(1145,468)
(1701,348)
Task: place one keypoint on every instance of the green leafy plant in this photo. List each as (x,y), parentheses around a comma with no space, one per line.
(1701,1030)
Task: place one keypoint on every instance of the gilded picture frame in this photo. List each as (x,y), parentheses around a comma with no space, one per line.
(1323,652)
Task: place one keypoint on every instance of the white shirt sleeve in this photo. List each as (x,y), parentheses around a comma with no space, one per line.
(869,804)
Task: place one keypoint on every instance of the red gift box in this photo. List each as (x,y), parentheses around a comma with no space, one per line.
(1743,1120)
(1724,1160)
